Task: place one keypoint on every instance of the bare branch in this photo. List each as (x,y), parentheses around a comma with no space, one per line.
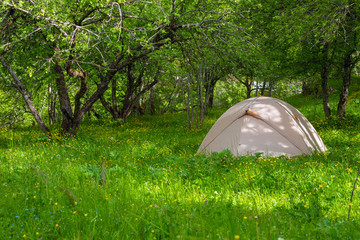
(28,35)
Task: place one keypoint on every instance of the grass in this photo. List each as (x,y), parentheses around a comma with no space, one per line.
(155,187)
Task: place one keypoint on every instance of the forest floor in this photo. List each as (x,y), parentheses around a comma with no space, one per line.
(142,180)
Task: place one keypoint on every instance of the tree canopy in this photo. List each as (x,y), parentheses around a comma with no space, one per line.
(113,56)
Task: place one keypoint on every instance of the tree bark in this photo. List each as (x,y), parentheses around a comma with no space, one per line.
(18,85)
(263,88)
(64,99)
(209,92)
(247,84)
(350,45)
(152,101)
(106,105)
(131,98)
(117,65)
(271,86)
(345,88)
(115,109)
(52,104)
(324,80)
(306,89)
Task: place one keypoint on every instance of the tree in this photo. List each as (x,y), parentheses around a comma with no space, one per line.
(88,44)
(135,88)
(322,39)
(18,85)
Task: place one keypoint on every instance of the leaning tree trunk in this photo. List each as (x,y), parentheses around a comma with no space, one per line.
(20,87)
(324,80)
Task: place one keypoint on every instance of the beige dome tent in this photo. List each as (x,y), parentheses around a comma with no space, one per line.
(263,125)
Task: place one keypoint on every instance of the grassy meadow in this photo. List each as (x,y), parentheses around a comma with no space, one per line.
(142,180)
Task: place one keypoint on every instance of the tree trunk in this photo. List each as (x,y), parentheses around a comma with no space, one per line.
(263,88)
(65,104)
(350,45)
(18,85)
(271,85)
(345,88)
(131,86)
(209,90)
(248,88)
(115,108)
(201,78)
(152,101)
(52,104)
(306,89)
(131,98)
(324,80)
(118,64)
(210,96)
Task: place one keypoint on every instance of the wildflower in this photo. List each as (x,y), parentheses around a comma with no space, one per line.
(237,237)
(305,206)
(56,204)
(85,214)
(245,217)
(56,225)
(350,204)
(37,233)
(24,236)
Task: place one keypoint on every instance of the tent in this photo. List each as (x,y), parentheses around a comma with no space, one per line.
(263,125)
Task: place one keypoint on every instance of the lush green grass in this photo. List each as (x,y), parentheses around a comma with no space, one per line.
(157,188)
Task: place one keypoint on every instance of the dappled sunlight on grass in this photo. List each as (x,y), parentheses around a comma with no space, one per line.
(142,179)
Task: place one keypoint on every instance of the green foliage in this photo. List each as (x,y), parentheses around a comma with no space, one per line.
(154,186)
(229,93)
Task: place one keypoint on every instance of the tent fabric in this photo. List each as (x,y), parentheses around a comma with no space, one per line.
(263,125)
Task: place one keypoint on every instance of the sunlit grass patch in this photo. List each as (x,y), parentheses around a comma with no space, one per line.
(142,180)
